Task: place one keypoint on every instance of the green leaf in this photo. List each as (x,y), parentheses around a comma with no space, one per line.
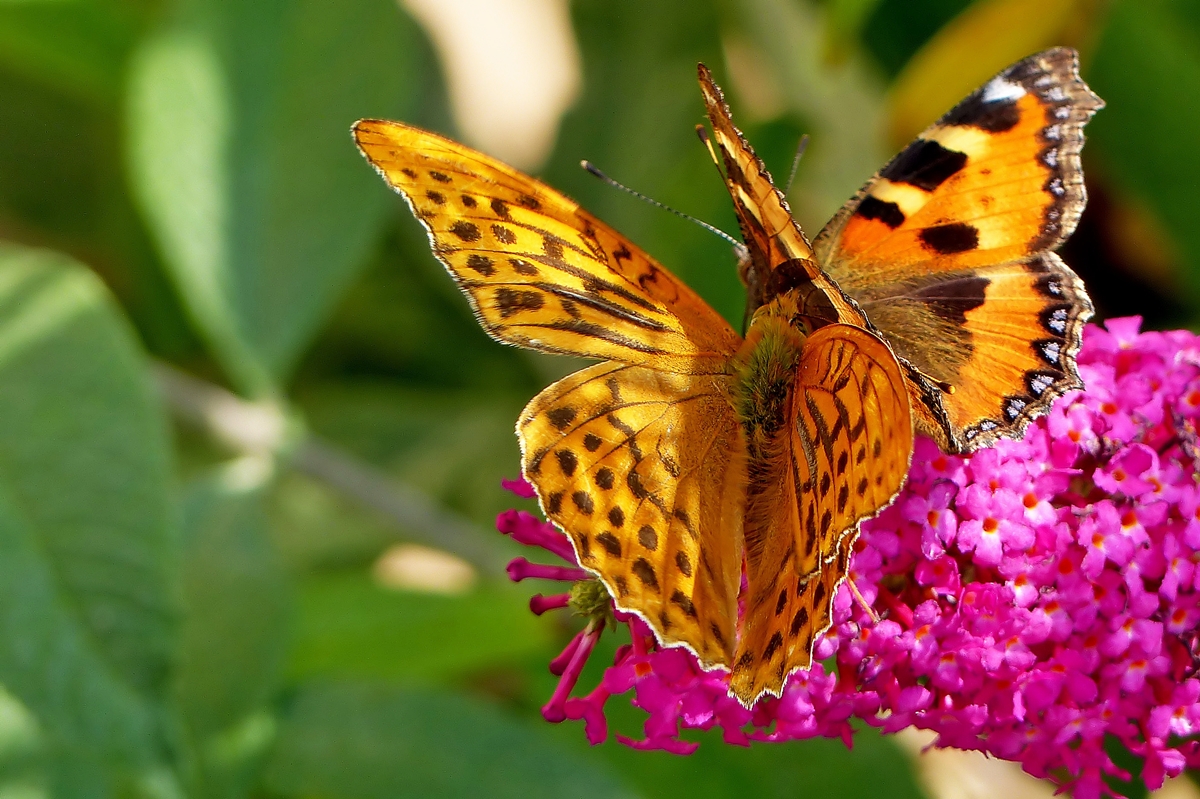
(382,742)
(230,660)
(843,100)
(84,455)
(241,157)
(351,627)
(817,768)
(636,120)
(1147,69)
(78,46)
(86,547)
(453,445)
(982,40)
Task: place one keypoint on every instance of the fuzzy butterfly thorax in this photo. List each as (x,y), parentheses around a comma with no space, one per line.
(689,459)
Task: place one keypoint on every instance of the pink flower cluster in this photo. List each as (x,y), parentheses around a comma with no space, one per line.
(1034,598)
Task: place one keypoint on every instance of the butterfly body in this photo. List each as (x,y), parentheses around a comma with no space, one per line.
(690,458)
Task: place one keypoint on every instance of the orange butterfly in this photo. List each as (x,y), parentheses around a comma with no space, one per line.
(689,453)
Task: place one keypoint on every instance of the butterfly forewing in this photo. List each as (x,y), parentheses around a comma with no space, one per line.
(845,455)
(644,471)
(540,271)
(946,250)
(780,255)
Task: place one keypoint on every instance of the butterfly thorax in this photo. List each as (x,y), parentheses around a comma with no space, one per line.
(764,372)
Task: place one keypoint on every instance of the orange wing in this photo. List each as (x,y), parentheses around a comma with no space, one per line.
(946,250)
(638,459)
(540,271)
(645,472)
(844,457)
(781,259)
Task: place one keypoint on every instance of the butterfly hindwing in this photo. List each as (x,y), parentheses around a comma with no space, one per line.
(644,471)
(946,250)
(843,457)
(540,271)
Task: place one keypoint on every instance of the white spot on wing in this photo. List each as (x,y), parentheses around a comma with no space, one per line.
(999,90)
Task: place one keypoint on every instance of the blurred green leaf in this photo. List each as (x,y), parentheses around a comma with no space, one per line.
(973,47)
(380,742)
(86,555)
(22,750)
(62,180)
(898,28)
(453,445)
(845,22)
(84,454)
(240,153)
(1147,68)
(230,660)
(636,120)
(77,46)
(1135,788)
(349,626)
(818,768)
(405,320)
(843,100)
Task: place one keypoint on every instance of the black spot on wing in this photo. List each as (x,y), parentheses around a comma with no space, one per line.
(610,543)
(467,231)
(924,164)
(644,571)
(949,239)
(567,461)
(481,264)
(886,212)
(512,301)
(684,602)
(773,646)
(994,117)
(952,299)
(604,475)
(799,620)
(583,502)
(561,417)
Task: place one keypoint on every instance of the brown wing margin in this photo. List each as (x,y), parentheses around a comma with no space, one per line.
(845,457)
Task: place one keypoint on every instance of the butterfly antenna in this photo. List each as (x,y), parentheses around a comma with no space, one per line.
(592,169)
(800,148)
